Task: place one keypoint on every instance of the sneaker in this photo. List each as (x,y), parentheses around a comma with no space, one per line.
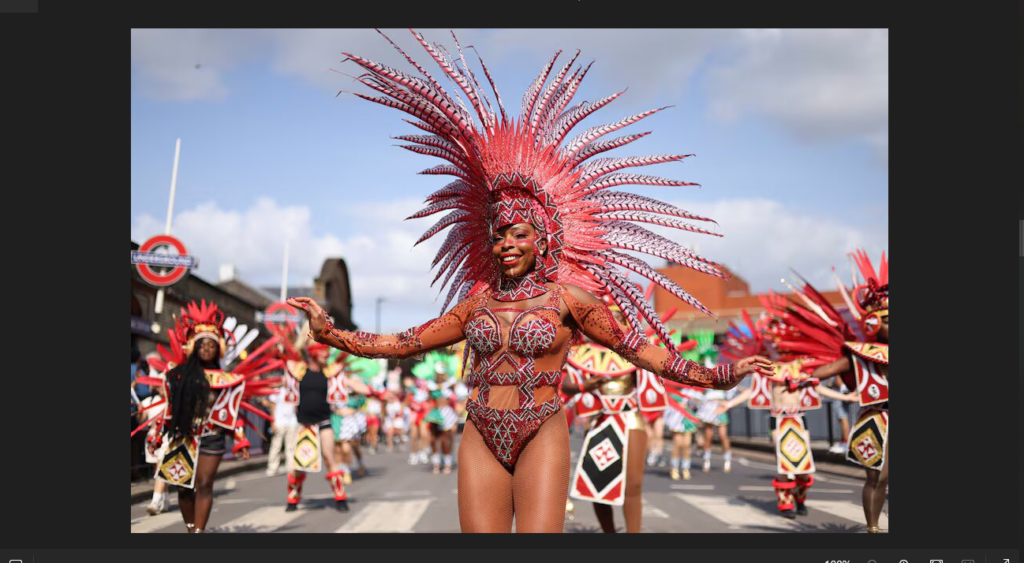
(155,508)
(437,469)
(801,509)
(837,449)
(728,466)
(674,474)
(413,459)
(651,459)
(707,465)
(686,475)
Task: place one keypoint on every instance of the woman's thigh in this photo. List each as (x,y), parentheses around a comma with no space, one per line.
(485,487)
(541,481)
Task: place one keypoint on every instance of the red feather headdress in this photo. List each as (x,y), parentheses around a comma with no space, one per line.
(524,170)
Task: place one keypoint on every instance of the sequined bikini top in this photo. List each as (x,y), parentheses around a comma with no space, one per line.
(531,333)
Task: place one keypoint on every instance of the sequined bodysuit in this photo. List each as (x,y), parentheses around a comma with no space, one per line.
(518,354)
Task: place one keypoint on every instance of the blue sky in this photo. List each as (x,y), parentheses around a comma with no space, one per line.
(789,128)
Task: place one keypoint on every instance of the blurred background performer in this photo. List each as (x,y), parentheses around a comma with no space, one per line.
(613,477)
(788,394)
(205,403)
(319,385)
(862,362)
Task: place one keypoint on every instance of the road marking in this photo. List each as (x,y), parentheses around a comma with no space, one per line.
(391,516)
(692,487)
(651,510)
(847,510)
(400,494)
(151,523)
(747,463)
(738,515)
(262,520)
(238,500)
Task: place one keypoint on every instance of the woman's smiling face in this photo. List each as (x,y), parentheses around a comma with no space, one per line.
(513,248)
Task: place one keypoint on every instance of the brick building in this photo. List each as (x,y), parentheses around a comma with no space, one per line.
(725,298)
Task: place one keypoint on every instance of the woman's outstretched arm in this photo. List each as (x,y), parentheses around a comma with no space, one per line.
(596,321)
(437,333)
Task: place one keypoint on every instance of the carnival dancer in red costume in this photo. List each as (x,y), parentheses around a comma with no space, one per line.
(533,233)
(416,399)
(318,385)
(789,393)
(862,364)
(204,405)
(615,395)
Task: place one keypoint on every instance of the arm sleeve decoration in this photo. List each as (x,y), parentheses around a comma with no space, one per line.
(596,321)
(437,333)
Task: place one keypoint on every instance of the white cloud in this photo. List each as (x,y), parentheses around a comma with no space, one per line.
(379,254)
(763,239)
(821,85)
(252,239)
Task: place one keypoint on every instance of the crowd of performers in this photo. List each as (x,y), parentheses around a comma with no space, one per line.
(199,401)
(629,409)
(534,256)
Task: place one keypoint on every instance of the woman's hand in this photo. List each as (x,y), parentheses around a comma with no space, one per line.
(314,312)
(755,364)
(722,408)
(852,396)
(244,453)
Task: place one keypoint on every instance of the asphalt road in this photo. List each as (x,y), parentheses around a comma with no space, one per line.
(397,497)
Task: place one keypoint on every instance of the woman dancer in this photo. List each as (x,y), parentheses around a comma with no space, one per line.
(204,405)
(532,230)
(788,394)
(619,396)
(320,385)
(863,364)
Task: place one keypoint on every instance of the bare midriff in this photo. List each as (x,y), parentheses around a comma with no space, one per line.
(506,397)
